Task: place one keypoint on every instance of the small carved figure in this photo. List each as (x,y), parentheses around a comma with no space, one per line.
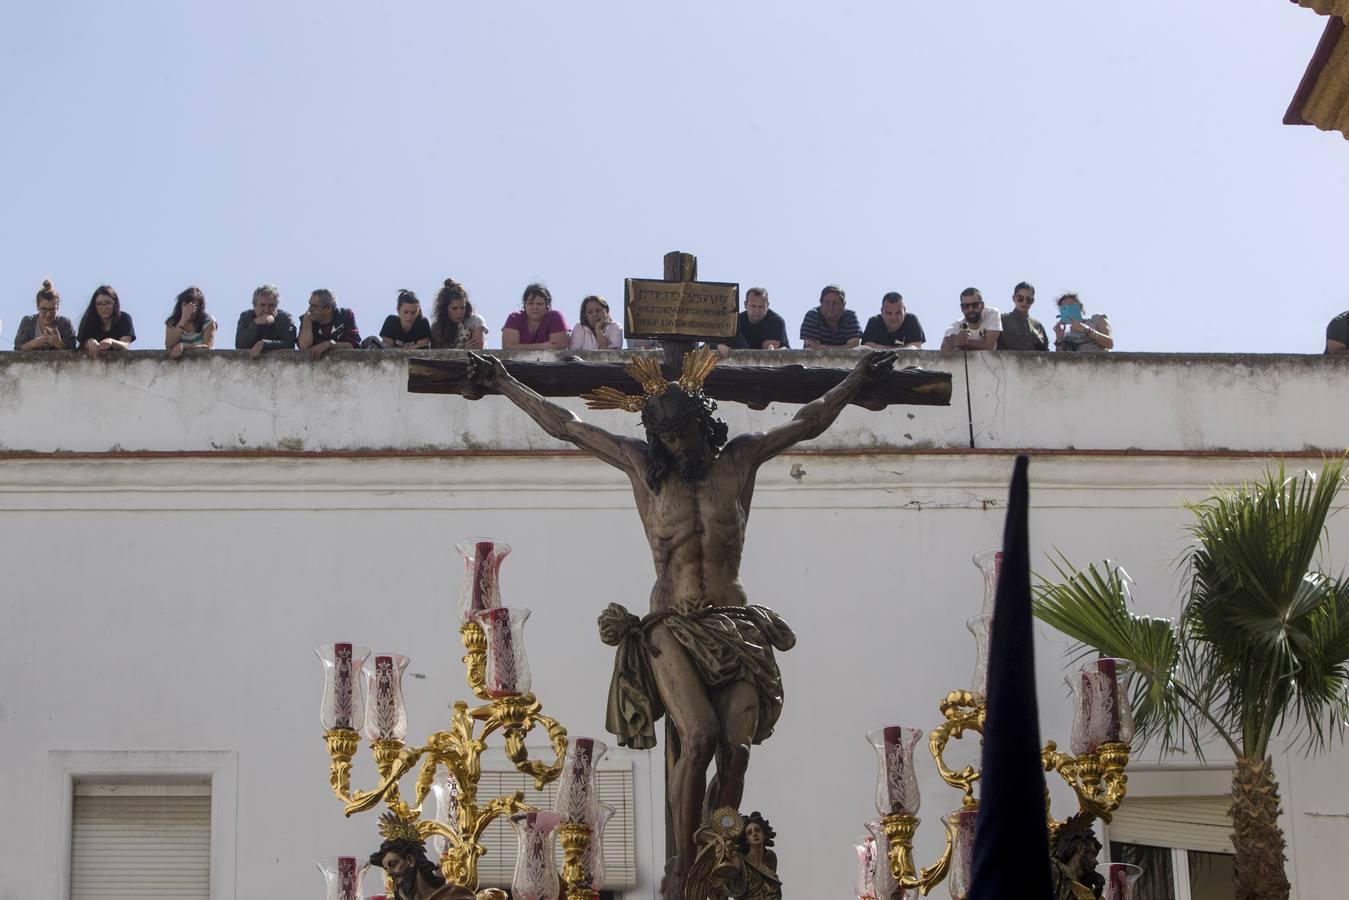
(411,874)
(733,859)
(1074,854)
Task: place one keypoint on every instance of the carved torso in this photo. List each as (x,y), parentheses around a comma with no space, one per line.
(696,530)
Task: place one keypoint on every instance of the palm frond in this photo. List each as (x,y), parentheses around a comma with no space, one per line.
(1091,607)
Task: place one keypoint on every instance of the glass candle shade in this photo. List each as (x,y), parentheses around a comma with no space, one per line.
(482,575)
(535,875)
(386,717)
(961,824)
(445,797)
(982,629)
(883,880)
(896,780)
(577,795)
(343,876)
(592,864)
(989,563)
(507,666)
(343,703)
(1101,711)
(865,848)
(1120,879)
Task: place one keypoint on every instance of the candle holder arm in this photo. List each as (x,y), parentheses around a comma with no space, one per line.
(899,832)
(1097,778)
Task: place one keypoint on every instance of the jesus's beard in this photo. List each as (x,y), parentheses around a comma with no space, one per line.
(692,466)
(406,884)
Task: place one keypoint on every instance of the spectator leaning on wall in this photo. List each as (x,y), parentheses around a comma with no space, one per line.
(1337,334)
(104,326)
(978,327)
(45,330)
(894,327)
(326,325)
(1078,334)
(1019,330)
(266,326)
(830,324)
(189,327)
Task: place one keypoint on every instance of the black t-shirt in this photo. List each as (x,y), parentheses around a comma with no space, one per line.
(393,329)
(751,336)
(121,329)
(910,332)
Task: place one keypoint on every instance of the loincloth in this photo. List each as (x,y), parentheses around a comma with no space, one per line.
(725,643)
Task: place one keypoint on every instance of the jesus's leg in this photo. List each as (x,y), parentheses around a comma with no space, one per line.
(737,706)
(686,702)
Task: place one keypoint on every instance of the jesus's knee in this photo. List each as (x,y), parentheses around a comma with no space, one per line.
(699,744)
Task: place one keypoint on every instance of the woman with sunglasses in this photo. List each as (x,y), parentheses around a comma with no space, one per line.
(1019,330)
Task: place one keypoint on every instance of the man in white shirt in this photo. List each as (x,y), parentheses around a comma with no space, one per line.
(977,328)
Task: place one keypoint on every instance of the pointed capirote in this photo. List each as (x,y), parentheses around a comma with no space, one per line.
(1011,843)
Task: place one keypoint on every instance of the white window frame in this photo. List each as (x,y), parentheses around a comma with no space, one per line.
(1162,780)
(65,767)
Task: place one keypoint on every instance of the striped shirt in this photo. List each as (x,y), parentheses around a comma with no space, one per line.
(815,328)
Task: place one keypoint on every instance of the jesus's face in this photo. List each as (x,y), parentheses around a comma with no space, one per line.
(688,446)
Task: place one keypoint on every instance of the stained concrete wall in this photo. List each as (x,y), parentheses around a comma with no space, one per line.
(171,602)
(357,400)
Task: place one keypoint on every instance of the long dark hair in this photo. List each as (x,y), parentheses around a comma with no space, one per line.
(90,323)
(444,330)
(668,412)
(189,295)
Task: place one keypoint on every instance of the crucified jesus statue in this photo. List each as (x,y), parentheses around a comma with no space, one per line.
(702,655)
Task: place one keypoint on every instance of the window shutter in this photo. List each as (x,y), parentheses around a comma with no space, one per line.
(140,840)
(497,865)
(1186,823)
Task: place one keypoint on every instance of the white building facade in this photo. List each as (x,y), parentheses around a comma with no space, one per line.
(177,537)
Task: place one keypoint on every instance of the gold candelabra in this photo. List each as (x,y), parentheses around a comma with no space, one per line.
(1102,730)
(459,749)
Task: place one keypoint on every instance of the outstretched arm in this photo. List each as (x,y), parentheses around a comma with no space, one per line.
(621,452)
(815,417)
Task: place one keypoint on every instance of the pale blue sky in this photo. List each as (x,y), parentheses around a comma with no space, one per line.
(1131,151)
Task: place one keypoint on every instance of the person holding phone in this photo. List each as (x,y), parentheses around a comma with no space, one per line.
(1076,333)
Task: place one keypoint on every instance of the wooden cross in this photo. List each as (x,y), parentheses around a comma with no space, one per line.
(755,386)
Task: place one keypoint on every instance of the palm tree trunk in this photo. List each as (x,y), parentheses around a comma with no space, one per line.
(1256,836)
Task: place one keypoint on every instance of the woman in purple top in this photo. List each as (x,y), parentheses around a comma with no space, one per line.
(537,326)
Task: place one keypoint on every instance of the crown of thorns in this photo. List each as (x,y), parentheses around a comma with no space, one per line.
(645,370)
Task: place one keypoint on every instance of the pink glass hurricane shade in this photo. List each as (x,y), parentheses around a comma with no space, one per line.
(535,876)
(482,575)
(343,703)
(1101,710)
(386,715)
(1120,879)
(896,777)
(577,793)
(507,664)
(342,876)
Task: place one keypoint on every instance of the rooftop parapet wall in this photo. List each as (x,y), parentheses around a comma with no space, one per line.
(357,401)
